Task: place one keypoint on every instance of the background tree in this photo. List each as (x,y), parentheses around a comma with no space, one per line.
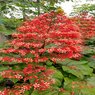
(28,9)
(89,8)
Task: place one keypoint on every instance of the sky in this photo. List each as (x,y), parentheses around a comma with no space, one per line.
(68,5)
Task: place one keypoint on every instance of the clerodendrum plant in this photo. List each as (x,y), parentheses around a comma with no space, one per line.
(51,37)
(86,24)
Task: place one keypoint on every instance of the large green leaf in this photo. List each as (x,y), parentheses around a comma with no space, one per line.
(75,72)
(52,91)
(91,80)
(87,91)
(91,62)
(46,92)
(78,87)
(70,62)
(88,51)
(58,77)
(78,70)
(67,83)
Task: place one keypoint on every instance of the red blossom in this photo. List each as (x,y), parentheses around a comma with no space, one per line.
(28,69)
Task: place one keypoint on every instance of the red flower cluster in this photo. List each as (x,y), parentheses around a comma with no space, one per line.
(49,33)
(86,24)
(51,36)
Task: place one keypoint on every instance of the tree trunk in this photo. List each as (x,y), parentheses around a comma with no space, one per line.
(38,3)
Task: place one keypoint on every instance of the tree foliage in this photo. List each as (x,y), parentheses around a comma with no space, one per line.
(90,8)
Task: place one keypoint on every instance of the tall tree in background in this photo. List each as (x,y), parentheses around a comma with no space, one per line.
(89,8)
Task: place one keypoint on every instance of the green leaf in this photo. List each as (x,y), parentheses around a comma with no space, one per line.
(58,75)
(85,69)
(67,83)
(3,7)
(26,93)
(78,70)
(76,84)
(50,45)
(70,62)
(52,91)
(64,93)
(88,91)
(35,92)
(3,68)
(88,51)
(57,82)
(91,80)
(72,71)
(49,63)
(91,62)
(1,78)
(1,45)
(14,80)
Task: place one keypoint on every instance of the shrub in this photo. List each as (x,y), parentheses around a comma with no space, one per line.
(43,41)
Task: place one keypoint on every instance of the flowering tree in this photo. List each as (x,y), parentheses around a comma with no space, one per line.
(46,39)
